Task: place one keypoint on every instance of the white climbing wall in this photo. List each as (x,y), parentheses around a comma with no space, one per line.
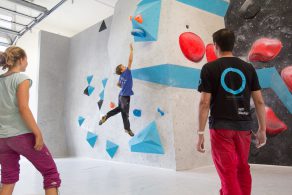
(98,53)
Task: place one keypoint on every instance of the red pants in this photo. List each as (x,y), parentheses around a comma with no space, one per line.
(10,150)
(230,151)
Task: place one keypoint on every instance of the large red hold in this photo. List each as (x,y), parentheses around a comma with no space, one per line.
(286,75)
(210,53)
(264,50)
(192,46)
(274,124)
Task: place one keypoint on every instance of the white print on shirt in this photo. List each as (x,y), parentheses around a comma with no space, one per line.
(241,111)
(123,81)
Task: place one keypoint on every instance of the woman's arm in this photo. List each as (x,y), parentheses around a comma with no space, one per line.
(26,114)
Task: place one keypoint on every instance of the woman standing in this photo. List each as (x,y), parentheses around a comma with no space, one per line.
(19,132)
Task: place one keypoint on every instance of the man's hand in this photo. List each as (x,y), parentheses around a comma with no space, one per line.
(200,144)
(131,47)
(261,138)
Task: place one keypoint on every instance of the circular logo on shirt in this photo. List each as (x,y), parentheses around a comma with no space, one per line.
(243,81)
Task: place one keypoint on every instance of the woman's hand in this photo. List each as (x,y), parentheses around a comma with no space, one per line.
(39,142)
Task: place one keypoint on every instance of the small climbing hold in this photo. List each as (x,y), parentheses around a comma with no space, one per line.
(138,32)
(160,112)
(99,103)
(89,79)
(137,112)
(80,120)
(112,105)
(139,18)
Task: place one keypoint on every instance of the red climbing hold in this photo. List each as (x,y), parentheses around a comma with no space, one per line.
(192,46)
(139,18)
(264,50)
(112,105)
(274,124)
(210,53)
(286,75)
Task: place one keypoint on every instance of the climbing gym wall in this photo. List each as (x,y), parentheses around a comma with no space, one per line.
(87,77)
(264,33)
(54,52)
(172,41)
(191,25)
(169,53)
(93,90)
(149,111)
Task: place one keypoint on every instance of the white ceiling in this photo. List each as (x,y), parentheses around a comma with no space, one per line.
(70,18)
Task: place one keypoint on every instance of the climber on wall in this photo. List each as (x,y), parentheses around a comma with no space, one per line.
(227,84)
(126,85)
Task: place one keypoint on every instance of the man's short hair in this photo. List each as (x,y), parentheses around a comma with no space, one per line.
(224,39)
(119,69)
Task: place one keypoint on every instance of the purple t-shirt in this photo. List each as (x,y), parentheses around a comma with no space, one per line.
(126,83)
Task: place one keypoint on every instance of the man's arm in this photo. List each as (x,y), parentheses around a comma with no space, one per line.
(261,115)
(204,108)
(130,57)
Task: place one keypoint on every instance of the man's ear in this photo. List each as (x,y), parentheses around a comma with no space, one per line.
(217,49)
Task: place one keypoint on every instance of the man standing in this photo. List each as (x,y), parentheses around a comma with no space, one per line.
(226,87)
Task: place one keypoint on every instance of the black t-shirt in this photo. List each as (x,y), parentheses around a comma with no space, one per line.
(230,80)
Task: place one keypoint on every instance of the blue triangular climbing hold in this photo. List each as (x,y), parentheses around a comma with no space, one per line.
(104,81)
(90,90)
(91,138)
(147,141)
(80,120)
(89,79)
(111,148)
(101,95)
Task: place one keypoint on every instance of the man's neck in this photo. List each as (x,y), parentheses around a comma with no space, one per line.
(225,54)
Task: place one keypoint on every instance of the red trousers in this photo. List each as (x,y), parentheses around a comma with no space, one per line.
(230,151)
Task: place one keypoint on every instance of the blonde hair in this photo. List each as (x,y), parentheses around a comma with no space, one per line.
(11,56)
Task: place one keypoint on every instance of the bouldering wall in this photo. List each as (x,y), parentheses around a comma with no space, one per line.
(172,40)
(171,43)
(167,65)
(264,31)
